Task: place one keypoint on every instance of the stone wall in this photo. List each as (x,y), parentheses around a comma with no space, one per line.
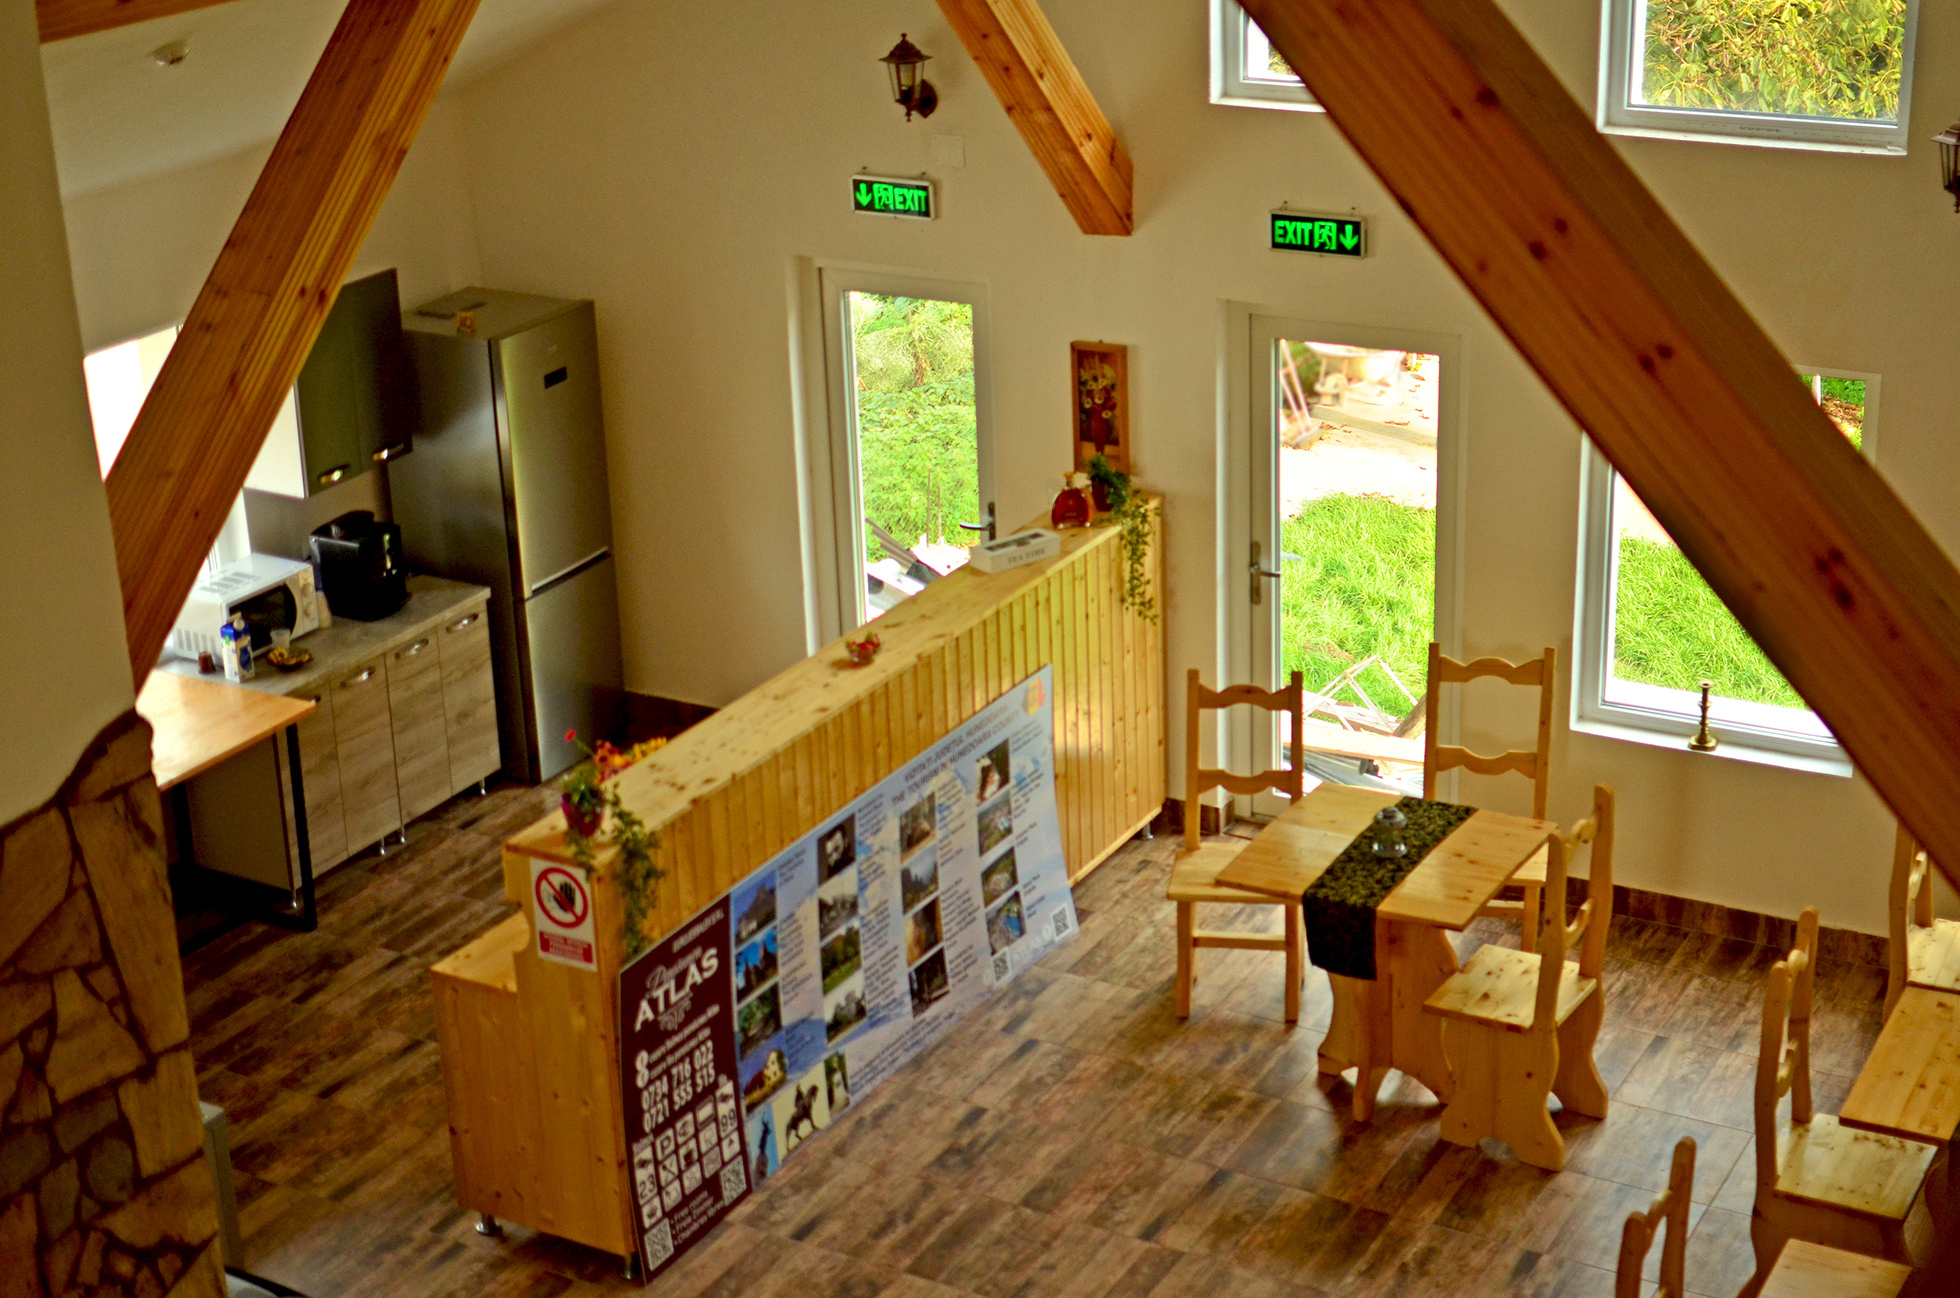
(104,1188)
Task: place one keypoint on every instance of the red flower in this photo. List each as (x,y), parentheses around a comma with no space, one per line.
(571,736)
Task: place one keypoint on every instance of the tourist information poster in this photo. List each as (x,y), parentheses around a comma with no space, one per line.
(859,944)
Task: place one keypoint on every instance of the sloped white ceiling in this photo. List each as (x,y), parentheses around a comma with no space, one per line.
(119,116)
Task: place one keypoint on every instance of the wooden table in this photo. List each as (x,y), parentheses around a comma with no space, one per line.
(1910,1086)
(1379,1024)
(200,724)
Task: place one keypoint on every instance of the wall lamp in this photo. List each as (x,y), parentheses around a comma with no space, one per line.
(909,89)
(1949,142)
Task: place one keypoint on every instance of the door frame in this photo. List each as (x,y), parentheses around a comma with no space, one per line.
(1249,332)
(829,493)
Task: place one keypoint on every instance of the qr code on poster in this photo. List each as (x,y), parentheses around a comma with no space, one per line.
(1002,968)
(659,1244)
(1061,923)
(733,1181)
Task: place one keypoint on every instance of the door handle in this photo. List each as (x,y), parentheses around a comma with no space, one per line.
(362,677)
(1259,575)
(413,649)
(465,622)
(390,451)
(333,475)
(987,527)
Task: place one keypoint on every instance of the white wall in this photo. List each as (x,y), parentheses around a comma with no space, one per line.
(631,160)
(64,666)
(141,250)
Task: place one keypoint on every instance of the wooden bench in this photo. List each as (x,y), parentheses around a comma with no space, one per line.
(1910,1085)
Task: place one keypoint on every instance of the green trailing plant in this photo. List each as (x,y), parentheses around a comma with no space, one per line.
(587,795)
(1133,516)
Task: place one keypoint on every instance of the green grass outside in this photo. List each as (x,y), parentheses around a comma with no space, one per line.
(1669,629)
(1364,584)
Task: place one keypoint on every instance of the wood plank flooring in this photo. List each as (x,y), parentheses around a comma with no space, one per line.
(1071,1140)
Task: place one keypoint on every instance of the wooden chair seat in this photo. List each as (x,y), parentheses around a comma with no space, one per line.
(1933,956)
(1194,877)
(1847,1170)
(1910,1084)
(1807,1270)
(1500,986)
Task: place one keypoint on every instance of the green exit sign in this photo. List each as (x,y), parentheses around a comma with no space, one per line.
(883,196)
(1335,236)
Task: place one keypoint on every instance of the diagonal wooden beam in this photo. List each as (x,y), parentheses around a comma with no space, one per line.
(61,19)
(248,333)
(1653,356)
(1044,95)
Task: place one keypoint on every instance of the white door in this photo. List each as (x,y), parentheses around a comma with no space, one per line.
(910,455)
(1343,524)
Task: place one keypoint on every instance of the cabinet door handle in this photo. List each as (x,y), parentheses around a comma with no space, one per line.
(390,451)
(316,700)
(466,622)
(412,650)
(364,675)
(333,475)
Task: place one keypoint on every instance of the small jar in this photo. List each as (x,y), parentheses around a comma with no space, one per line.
(1388,834)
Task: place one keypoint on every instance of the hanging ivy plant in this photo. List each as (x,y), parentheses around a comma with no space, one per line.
(1133,516)
(591,804)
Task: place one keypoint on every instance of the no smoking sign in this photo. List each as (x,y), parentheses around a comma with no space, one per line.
(561,914)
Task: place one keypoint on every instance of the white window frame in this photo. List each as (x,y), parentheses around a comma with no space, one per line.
(830,498)
(1620,48)
(1232,30)
(1668,718)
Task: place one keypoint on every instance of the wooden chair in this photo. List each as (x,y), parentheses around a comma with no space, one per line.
(1924,951)
(1816,1179)
(1194,875)
(1521,1025)
(1670,1209)
(1807,1270)
(1534,763)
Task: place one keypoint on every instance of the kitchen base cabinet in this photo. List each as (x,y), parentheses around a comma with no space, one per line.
(364,737)
(469,699)
(319,767)
(421,741)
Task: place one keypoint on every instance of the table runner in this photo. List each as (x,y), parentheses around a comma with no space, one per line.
(1339,907)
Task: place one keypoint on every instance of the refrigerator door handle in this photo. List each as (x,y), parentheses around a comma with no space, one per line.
(559,578)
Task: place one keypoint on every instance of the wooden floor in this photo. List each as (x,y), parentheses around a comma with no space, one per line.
(1070,1139)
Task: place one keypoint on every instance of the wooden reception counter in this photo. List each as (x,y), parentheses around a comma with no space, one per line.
(530,1067)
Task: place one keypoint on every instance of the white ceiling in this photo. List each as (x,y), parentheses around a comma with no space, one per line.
(119,116)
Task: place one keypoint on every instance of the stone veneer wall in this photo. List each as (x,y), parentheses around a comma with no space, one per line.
(104,1187)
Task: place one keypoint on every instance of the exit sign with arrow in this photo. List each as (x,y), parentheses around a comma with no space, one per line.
(1331,236)
(886,196)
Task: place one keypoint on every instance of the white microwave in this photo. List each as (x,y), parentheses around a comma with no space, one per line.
(271,593)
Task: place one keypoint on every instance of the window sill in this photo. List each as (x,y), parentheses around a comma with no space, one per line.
(1754,140)
(1252,101)
(1731,749)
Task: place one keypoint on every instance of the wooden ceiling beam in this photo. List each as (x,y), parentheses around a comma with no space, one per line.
(1046,99)
(61,19)
(1655,358)
(241,348)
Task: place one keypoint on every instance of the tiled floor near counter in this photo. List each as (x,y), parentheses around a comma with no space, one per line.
(1071,1139)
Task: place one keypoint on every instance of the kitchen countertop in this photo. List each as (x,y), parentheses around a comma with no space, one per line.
(431,602)
(197,723)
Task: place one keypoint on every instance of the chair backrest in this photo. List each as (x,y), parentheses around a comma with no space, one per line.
(1670,1209)
(1587,929)
(1534,763)
(1783,1065)
(1199,781)
(1912,907)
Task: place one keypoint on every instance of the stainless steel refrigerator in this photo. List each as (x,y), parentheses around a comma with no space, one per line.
(507,489)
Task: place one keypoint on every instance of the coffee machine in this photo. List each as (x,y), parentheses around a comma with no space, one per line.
(360,563)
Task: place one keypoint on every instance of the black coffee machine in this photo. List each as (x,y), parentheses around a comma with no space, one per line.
(360,563)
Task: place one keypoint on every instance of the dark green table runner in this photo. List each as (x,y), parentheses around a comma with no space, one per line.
(1339,908)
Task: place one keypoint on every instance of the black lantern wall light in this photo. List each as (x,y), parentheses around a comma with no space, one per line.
(912,91)
(1949,142)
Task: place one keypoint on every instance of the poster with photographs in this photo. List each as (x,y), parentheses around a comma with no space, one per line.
(865,940)
(683,1119)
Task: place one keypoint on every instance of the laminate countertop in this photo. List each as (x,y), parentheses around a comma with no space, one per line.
(432,601)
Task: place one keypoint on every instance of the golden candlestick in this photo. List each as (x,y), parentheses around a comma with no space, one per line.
(1703,742)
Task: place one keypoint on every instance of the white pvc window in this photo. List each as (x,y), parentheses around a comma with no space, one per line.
(1246,71)
(1826,74)
(1650,629)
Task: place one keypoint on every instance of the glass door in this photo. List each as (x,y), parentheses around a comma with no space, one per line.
(1341,572)
(910,456)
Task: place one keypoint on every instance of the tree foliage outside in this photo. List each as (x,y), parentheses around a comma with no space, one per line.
(1364,584)
(918,439)
(1805,58)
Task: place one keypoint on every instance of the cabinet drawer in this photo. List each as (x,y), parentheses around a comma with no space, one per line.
(415,704)
(319,766)
(469,699)
(363,733)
